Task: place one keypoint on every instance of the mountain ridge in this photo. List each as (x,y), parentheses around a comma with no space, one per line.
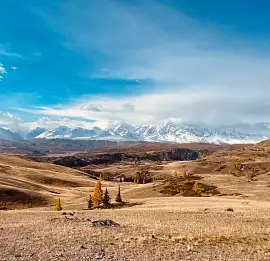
(166,133)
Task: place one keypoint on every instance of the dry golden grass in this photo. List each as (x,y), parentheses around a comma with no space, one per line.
(160,229)
(25,183)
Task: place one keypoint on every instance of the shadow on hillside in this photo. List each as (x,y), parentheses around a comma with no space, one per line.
(16,199)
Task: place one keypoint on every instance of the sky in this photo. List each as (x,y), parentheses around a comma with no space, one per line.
(143,62)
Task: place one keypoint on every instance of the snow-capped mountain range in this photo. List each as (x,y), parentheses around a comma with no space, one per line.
(116,131)
(15,128)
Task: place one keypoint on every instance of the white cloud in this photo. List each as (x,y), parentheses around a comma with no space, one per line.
(10,121)
(202,74)
(4,52)
(215,108)
(14,68)
(2,71)
(6,118)
(16,123)
(48,123)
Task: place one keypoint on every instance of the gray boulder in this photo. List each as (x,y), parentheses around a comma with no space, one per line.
(103,223)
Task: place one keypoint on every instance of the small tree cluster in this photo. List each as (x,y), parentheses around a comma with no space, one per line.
(98,198)
(142,177)
(184,173)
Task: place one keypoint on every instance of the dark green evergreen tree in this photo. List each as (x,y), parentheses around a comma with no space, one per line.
(106,199)
(118,197)
(90,202)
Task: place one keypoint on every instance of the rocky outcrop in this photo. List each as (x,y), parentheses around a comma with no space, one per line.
(111,158)
(71,162)
(103,223)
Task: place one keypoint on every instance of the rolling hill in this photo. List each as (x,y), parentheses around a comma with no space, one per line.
(25,183)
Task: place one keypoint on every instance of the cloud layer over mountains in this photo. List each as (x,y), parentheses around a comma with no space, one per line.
(15,128)
(187,69)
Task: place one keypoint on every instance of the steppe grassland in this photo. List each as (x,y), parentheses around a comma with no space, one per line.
(160,229)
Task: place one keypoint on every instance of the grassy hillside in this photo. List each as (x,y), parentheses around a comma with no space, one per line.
(26,183)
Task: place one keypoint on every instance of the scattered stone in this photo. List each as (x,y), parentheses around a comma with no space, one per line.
(66,213)
(189,247)
(103,223)
(83,247)
(229,209)
(100,255)
(153,236)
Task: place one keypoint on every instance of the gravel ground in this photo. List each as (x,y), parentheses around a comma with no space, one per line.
(160,229)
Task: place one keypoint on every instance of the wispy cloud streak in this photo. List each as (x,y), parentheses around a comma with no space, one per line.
(201,73)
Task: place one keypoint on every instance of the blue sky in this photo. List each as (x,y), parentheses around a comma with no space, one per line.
(137,61)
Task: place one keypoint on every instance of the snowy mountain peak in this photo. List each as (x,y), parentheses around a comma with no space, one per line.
(35,133)
(167,132)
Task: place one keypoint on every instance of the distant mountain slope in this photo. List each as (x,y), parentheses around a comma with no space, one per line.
(37,147)
(167,132)
(35,133)
(6,134)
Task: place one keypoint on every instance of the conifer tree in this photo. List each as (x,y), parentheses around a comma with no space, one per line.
(106,199)
(144,180)
(97,194)
(58,206)
(195,187)
(184,173)
(175,174)
(90,202)
(118,197)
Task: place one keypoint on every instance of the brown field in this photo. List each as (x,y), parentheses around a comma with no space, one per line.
(164,226)
(160,229)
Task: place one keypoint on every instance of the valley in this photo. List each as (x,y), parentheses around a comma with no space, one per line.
(134,130)
(227,219)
